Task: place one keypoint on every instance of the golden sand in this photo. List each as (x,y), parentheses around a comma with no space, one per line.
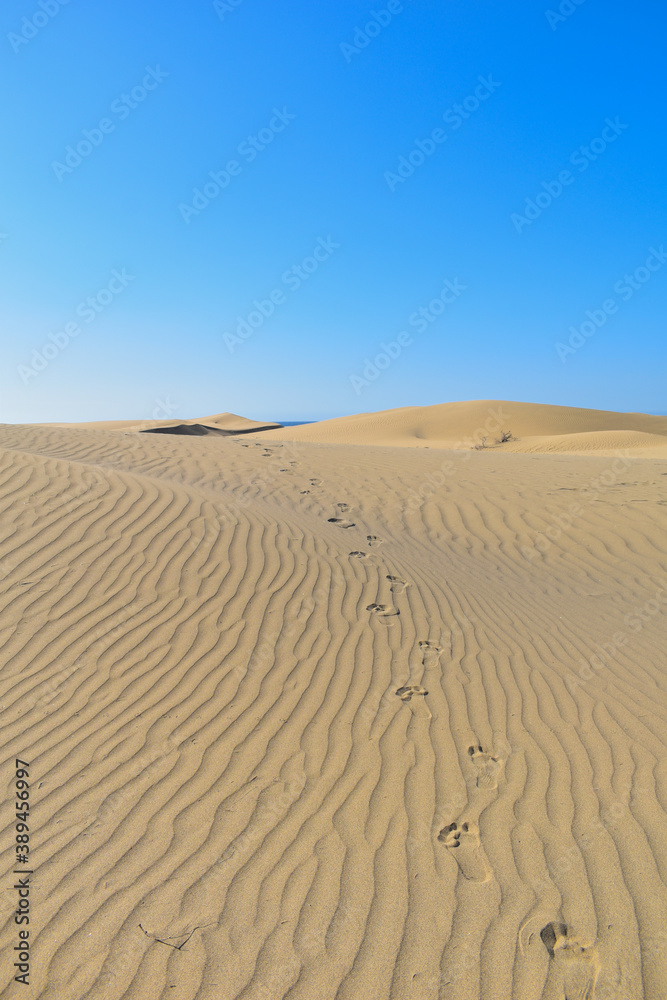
(310,715)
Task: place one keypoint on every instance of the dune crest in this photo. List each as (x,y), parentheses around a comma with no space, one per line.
(534,427)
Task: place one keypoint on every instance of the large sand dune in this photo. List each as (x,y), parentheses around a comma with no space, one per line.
(312,721)
(534,427)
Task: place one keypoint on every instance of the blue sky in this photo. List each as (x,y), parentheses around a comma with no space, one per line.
(312,257)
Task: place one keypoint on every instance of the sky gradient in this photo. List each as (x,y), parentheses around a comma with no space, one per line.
(297,211)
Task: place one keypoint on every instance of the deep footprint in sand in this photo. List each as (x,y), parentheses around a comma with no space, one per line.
(374,540)
(397,584)
(315,482)
(341,522)
(574,967)
(304,492)
(383,610)
(359,555)
(431,653)
(343,507)
(406,693)
(489,767)
(464,843)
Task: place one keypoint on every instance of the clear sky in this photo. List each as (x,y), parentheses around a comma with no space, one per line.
(365,155)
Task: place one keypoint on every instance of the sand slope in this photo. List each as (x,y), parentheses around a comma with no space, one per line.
(309,721)
(535,427)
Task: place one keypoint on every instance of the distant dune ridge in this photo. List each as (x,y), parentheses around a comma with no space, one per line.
(535,427)
(226,423)
(310,716)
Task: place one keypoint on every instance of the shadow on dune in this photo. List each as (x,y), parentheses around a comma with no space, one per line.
(202,429)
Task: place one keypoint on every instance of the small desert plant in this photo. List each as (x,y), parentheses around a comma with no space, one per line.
(505,436)
(481,445)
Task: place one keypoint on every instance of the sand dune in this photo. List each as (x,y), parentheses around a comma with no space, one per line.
(534,427)
(312,721)
(229,423)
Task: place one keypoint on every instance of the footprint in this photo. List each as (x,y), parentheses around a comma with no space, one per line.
(343,507)
(406,693)
(470,856)
(551,934)
(489,768)
(397,585)
(315,482)
(431,651)
(374,540)
(304,491)
(359,555)
(383,610)
(574,968)
(340,522)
